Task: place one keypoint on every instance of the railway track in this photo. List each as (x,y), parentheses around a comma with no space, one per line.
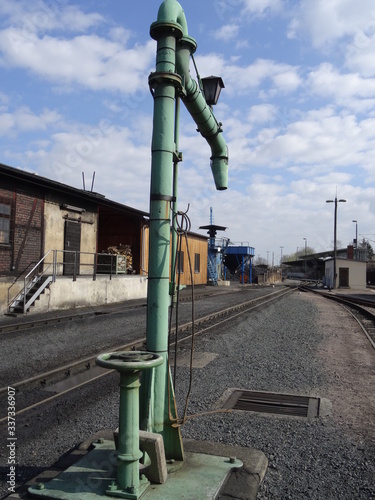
(362,310)
(17,325)
(45,387)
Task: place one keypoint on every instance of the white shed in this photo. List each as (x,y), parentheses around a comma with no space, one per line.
(350,273)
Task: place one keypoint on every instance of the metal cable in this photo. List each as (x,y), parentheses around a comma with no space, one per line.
(183,226)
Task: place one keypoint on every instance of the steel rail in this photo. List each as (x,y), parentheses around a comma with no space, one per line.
(66,369)
(232,316)
(339,298)
(364,329)
(358,305)
(41,379)
(114,309)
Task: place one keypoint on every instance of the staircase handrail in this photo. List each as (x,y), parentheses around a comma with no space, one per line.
(35,268)
(211,267)
(27,280)
(16,279)
(38,264)
(29,277)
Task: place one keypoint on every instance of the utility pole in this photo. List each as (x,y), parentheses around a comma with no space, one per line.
(335,201)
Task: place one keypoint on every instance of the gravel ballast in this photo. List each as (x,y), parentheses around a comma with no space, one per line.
(298,345)
(28,352)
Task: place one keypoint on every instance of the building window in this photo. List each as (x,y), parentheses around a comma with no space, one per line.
(180,262)
(197,263)
(5,223)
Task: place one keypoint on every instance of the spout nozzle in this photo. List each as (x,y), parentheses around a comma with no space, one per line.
(219,167)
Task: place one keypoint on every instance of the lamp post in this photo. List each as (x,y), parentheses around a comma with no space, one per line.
(305,253)
(356,239)
(212,86)
(335,201)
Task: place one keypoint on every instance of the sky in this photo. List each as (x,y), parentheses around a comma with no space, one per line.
(298,110)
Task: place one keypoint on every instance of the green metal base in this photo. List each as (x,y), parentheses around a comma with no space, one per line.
(94,477)
(132,494)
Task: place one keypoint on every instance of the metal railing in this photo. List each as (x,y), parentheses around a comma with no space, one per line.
(68,263)
(74,263)
(16,280)
(28,282)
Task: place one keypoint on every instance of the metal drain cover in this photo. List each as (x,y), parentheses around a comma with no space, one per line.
(268,402)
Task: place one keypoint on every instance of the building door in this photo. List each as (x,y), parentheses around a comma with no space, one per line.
(72,247)
(344,277)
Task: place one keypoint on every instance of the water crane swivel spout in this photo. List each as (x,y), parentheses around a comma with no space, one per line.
(171,14)
(170,81)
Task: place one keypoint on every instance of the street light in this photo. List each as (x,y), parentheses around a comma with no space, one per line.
(335,201)
(305,253)
(212,86)
(356,239)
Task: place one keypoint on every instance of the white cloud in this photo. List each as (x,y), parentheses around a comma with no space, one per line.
(350,90)
(321,141)
(88,60)
(262,113)
(360,55)
(120,158)
(30,18)
(260,7)
(226,33)
(23,119)
(282,77)
(255,8)
(328,21)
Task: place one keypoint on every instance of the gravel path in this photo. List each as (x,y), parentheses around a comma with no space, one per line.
(299,345)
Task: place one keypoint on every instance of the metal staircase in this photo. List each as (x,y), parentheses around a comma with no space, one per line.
(34,284)
(211,268)
(26,298)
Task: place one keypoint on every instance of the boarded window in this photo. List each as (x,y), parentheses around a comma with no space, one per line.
(197,263)
(180,262)
(5,211)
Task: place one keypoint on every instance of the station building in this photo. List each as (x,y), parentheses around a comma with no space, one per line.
(70,242)
(351,268)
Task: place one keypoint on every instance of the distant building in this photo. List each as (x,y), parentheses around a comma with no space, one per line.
(350,271)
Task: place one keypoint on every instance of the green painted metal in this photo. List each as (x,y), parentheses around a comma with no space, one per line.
(129,365)
(202,114)
(170,80)
(176,160)
(202,475)
(92,476)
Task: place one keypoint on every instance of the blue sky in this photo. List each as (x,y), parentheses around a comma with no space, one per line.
(298,109)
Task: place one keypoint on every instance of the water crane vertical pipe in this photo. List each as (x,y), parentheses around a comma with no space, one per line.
(170,81)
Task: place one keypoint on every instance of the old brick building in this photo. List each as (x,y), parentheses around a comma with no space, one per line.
(21,226)
(68,228)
